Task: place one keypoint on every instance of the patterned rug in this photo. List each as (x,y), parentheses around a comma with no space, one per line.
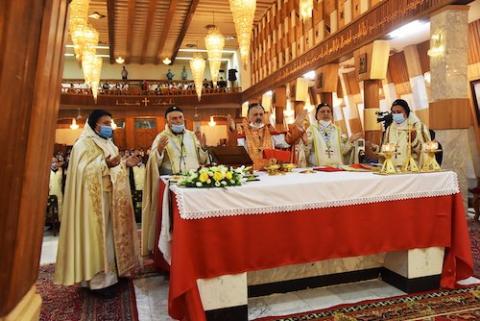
(474,228)
(442,305)
(77,304)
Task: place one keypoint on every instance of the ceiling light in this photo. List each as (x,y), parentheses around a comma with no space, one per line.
(96,15)
(214,41)
(310,75)
(407,30)
(212,122)
(74,124)
(197,65)
(119,60)
(167,61)
(96,47)
(306,9)
(243,12)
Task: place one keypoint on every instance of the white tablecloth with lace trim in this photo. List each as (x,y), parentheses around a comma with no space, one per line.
(296,191)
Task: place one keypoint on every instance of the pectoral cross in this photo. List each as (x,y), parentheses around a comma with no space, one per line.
(329,151)
(145,101)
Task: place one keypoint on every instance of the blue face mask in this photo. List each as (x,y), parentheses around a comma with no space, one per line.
(106,131)
(178,129)
(398,118)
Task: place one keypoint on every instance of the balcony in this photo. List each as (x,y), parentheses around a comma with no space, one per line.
(146,94)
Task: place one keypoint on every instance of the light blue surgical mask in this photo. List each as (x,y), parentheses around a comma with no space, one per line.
(398,118)
(178,129)
(106,131)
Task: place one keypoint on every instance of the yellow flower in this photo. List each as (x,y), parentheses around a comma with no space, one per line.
(218,176)
(203,177)
(229,175)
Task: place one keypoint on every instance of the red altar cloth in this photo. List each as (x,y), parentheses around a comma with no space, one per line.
(207,248)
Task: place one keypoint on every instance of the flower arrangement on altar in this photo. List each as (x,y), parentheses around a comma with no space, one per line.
(215,176)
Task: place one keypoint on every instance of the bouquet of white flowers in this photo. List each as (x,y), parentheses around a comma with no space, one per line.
(215,176)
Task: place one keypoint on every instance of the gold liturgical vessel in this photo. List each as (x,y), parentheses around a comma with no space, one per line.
(430,163)
(388,151)
(410,165)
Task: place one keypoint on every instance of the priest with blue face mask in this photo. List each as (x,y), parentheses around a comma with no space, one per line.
(98,235)
(174,151)
(397,132)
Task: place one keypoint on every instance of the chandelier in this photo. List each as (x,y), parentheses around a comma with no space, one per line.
(197,65)
(78,14)
(243,12)
(92,68)
(85,39)
(306,9)
(214,42)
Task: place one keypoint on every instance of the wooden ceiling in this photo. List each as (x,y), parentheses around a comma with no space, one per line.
(147,31)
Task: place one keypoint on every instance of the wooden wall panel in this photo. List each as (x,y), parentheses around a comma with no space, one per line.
(397,68)
(31,58)
(474,42)
(423,55)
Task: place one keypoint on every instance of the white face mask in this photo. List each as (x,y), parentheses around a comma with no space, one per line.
(257,125)
(325,123)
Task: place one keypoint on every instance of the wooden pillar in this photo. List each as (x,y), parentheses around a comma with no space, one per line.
(373,132)
(130,131)
(280,102)
(31,54)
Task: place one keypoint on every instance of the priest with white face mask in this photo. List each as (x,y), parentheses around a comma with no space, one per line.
(397,132)
(174,151)
(325,144)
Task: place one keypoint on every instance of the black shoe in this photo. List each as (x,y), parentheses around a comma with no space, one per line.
(106,293)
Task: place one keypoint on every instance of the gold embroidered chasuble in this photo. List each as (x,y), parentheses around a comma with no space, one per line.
(397,134)
(257,140)
(325,146)
(182,153)
(97,199)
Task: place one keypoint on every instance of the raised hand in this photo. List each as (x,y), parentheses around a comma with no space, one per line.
(162,144)
(113,161)
(132,161)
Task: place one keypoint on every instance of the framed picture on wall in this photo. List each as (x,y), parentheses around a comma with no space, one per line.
(475,86)
(145,123)
(362,65)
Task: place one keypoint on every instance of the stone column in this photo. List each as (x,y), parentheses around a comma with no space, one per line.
(449,112)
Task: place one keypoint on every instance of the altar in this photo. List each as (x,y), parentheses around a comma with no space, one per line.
(225,244)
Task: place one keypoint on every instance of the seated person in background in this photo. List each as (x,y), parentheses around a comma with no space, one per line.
(397,132)
(175,150)
(259,136)
(439,155)
(325,144)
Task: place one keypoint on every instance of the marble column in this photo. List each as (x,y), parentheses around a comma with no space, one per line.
(449,112)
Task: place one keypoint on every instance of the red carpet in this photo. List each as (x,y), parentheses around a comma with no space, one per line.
(77,304)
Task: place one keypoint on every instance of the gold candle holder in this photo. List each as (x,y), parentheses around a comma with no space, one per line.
(410,165)
(430,163)
(388,151)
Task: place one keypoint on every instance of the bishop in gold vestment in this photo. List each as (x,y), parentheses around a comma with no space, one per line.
(98,235)
(174,151)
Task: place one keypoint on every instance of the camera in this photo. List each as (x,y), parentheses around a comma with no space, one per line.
(385,118)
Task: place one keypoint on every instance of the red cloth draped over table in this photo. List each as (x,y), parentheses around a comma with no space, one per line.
(207,248)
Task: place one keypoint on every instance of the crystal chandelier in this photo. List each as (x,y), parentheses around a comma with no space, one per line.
(243,12)
(78,14)
(85,39)
(92,68)
(214,42)
(197,65)
(306,9)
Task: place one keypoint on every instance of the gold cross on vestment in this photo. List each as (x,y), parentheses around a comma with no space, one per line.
(145,101)
(329,151)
